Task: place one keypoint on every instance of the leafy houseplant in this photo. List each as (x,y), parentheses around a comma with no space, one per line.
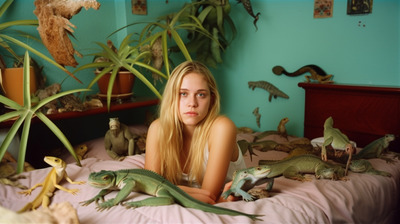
(6,39)
(25,114)
(126,57)
(169,27)
(141,55)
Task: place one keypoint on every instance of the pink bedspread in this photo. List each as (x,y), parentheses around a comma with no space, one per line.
(362,199)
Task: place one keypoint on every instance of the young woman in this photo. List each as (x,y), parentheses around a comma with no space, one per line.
(191,144)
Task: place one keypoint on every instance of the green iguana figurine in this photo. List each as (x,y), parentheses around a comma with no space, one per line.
(145,181)
(292,168)
(364,166)
(338,140)
(376,149)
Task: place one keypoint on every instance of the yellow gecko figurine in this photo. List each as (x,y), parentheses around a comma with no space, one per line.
(50,184)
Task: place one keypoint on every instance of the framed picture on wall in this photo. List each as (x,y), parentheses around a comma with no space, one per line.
(323,8)
(139,7)
(359,7)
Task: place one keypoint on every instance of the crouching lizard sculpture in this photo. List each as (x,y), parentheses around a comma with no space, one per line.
(376,149)
(119,141)
(145,181)
(51,182)
(292,168)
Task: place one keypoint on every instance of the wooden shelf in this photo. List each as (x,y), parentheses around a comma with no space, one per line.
(135,103)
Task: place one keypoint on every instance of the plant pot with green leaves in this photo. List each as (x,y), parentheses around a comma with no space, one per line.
(9,42)
(110,61)
(23,114)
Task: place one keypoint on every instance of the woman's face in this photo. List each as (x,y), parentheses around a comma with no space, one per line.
(194,99)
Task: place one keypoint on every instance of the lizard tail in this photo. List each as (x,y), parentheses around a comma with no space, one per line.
(27,207)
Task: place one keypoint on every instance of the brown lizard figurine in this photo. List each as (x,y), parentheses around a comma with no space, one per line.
(317,73)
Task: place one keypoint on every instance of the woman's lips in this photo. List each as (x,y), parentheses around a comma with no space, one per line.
(191,113)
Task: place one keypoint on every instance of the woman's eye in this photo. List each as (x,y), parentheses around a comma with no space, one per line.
(183,94)
(201,94)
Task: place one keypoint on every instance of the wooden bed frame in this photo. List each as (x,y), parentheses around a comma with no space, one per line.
(367,107)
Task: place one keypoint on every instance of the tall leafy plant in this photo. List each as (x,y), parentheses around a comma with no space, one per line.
(168,28)
(6,39)
(24,115)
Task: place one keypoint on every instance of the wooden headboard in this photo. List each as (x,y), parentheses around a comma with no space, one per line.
(363,113)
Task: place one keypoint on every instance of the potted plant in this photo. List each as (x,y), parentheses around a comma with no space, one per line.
(110,61)
(25,113)
(151,46)
(7,42)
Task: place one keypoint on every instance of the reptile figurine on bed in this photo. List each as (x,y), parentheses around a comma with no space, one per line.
(146,181)
(119,141)
(49,185)
(339,141)
(292,168)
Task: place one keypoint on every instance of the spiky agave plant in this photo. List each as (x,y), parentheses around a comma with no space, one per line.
(24,115)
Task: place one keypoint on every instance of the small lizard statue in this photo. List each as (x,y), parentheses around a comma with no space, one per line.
(316,72)
(257,115)
(338,140)
(119,141)
(273,90)
(376,149)
(56,174)
(146,181)
(292,168)
(249,9)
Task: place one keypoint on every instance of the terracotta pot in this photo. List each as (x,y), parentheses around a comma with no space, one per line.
(12,79)
(123,83)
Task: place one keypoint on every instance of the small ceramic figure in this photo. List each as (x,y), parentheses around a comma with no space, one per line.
(119,141)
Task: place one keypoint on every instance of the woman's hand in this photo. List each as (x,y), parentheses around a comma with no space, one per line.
(199,194)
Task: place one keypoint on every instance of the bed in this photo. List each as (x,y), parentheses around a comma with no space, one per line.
(363,198)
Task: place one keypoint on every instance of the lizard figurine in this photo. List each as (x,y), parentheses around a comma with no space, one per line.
(56,174)
(119,141)
(316,72)
(338,140)
(149,182)
(292,168)
(281,130)
(257,115)
(364,166)
(249,9)
(273,90)
(376,149)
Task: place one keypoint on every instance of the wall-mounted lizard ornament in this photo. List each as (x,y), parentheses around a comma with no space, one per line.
(273,90)
(257,115)
(316,72)
(249,9)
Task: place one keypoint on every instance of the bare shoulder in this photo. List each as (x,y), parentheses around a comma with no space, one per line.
(223,123)
(154,125)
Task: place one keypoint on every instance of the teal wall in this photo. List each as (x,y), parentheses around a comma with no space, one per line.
(287,35)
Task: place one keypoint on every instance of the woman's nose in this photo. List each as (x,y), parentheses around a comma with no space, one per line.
(192,102)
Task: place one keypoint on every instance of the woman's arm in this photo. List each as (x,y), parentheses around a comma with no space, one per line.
(223,150)
(152,162)
(152,158)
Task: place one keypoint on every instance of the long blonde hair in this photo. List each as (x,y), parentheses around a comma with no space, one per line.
(170,132)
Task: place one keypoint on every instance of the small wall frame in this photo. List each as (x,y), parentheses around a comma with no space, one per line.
(355,7)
